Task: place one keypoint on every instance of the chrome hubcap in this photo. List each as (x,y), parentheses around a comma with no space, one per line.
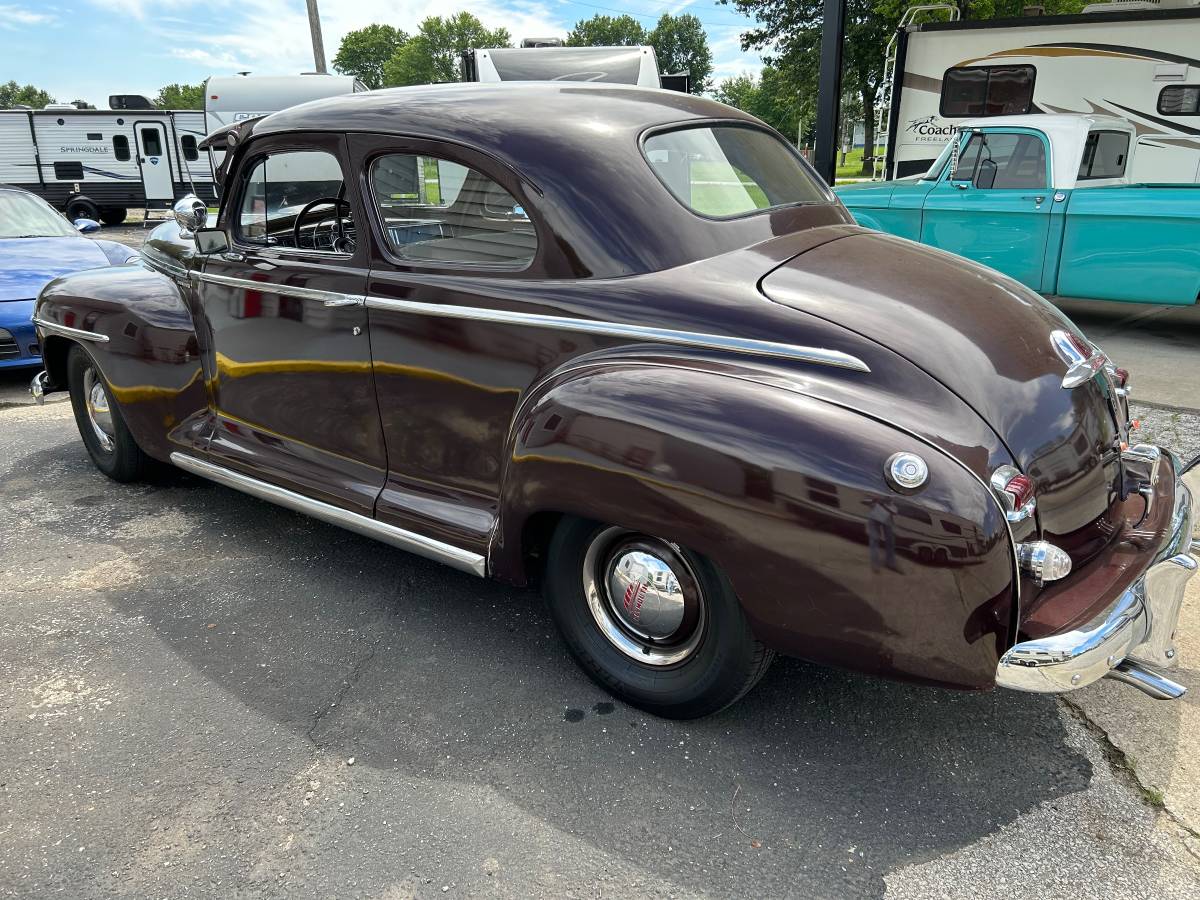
(99,413)
(644,597)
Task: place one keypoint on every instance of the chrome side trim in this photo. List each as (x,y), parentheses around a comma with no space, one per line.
(164,267)
(78,334)
(818,355)
(329,298)
(456,557)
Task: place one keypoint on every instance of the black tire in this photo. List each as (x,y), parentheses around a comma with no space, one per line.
(723,665)
(82,208)
(113,215)
(122,461)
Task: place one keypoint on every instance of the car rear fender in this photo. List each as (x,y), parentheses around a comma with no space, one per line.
(787,494)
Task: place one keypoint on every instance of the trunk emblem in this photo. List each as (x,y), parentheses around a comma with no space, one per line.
(1082,358)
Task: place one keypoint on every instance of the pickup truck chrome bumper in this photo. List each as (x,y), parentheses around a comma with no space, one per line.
(1136,631)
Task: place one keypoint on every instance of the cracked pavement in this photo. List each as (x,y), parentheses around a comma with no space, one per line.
(186,673)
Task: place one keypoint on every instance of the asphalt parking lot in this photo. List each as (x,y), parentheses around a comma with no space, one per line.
(202,695)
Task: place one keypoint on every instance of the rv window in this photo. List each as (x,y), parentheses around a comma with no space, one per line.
(121,147)
(68,171)
(278,190)
(189,147)
(151,142)
(1179,100)
(1104,155)
(987,91)
(441,212)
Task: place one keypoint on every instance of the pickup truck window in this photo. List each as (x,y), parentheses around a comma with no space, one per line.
(987,91)
(283,187)
(435,210)
(1104,155)
(729,170)
(1003,161)
(1179,100)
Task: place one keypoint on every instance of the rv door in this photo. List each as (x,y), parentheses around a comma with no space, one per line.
(155,160)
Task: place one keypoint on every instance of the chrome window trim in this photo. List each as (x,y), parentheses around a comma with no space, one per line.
(455,557)
(65,331)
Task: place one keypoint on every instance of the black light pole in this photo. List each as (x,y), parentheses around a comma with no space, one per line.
(829,88)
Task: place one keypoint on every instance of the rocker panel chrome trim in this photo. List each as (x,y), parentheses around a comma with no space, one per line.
(456,557)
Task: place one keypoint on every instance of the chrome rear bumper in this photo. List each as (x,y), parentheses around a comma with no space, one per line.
(1137,631)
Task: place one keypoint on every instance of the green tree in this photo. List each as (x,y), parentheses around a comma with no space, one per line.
(768,97)
(607,31)
(13,94)
(180,96)
(433,54)
(364,53)
(681,45)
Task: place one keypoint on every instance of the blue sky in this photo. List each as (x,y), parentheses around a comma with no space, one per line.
(90,49)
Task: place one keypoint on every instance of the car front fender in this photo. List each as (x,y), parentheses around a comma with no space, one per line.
(787,495)
(136,325)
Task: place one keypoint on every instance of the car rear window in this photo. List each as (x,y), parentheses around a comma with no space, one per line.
(724,171)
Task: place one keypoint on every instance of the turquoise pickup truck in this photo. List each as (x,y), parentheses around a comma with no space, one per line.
(1045,200)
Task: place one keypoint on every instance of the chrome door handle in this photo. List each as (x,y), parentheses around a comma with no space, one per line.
(233,256)
(1039,199)
(346,301)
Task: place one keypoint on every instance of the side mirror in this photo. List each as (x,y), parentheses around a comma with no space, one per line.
(86,226)
(190,213)
(211,240)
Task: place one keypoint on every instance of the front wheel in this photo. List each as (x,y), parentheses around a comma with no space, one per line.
(107,438)
(656,624)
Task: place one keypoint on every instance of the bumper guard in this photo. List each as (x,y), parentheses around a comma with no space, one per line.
(1137,631)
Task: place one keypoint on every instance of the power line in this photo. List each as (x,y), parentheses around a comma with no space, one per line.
(656,17)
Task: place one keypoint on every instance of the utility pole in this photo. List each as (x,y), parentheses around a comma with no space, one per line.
(314,26)
(829,88)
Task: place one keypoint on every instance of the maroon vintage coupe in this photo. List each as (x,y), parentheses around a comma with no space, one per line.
(623,344)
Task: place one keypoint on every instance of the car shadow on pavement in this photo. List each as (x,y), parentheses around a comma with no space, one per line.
(817,778)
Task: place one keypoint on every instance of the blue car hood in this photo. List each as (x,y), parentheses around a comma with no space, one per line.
(27,264)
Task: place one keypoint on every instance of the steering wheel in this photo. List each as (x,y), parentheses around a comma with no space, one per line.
(337,203)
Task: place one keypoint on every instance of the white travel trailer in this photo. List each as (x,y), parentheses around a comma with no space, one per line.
(1136,59)
(96,163)
(547,60)
(230,99)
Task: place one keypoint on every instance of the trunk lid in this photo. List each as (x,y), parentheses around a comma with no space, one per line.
(988,340)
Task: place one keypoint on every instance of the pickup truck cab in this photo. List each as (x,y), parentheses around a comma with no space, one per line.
(1046,200)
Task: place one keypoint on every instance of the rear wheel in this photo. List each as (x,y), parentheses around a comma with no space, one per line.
(113,215)
(83,209)
(650,621)
(105,435)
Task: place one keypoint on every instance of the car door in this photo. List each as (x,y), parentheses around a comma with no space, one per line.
(289,358)
(995,206)
(449,232)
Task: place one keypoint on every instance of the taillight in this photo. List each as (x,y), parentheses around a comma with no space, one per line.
(1015,492)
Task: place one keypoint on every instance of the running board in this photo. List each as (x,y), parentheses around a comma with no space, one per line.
(455,557)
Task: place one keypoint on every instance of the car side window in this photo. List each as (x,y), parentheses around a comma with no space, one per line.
(437,211)
(1104,155)
(1003,161)
(296,199)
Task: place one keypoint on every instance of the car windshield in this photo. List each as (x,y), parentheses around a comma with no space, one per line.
(731,170)
(24,215)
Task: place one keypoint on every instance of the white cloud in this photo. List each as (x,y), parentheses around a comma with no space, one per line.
(12,16)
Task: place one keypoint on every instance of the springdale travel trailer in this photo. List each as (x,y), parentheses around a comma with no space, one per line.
(1137,59)
(96,163)
(545,59)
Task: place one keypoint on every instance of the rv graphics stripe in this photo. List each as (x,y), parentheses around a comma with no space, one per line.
(1166,123)
(108,174)
(1131,51)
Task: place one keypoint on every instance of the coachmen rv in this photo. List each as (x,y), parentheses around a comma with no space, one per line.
(1136,59)
(96,163)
